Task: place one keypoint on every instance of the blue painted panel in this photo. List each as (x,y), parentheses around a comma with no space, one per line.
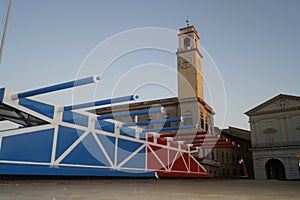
(2,90)
(66,137)
(125,148)
(143,136)
(15,169)
(138,161)
(76,118)
(42,108)
(34,146)
(108,143)
(86,152)
(127,132)
(105,126)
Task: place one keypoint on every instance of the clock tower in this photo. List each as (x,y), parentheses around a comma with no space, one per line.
(189,64)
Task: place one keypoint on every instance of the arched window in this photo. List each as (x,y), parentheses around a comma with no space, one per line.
(187,43)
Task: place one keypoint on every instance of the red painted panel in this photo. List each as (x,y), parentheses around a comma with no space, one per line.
(152,162)
(186,157)
(174,144)
(179,164)
(172,155)
(162,153)
(184,147)
(183,134)
(162,141)
(194,166)
(193,148)
(150,138)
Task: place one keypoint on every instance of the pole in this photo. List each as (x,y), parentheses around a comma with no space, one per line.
(57,87)
(101,102)
(4,30)
(170,128)
(178,119)
(127,114)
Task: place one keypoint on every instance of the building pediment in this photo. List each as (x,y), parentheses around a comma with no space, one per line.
(279,103)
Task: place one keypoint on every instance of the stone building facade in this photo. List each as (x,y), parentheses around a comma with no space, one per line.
(225,162)
(275,135)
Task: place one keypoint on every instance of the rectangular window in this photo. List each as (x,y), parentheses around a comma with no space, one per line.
(167,124)
(188,120)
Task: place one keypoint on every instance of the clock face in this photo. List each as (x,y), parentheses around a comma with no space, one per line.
(185,63)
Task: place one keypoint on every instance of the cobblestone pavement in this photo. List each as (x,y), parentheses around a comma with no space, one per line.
(125,189)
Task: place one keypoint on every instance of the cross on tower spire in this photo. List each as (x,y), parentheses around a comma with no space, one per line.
(187,21)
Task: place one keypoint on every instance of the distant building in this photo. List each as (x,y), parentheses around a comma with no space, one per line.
(225,162)
(275,135)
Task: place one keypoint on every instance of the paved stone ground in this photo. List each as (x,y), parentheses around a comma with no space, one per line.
(175,189)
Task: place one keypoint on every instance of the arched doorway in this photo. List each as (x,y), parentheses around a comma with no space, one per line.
(275,169)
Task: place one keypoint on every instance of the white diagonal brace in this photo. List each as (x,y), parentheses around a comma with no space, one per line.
(157,158)
(54,143)
(184,161)
(60,158)
(102,149)
(130,156)
(174,160)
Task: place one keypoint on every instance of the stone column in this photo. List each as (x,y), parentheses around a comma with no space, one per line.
(259,167)
(284,131)
(253,132)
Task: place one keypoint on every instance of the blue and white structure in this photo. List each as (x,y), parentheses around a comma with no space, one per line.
(63,140)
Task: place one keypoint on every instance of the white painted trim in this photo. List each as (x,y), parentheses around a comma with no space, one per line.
(23,162)
(184,172)
(123,169)
(57,119)
(169,164)
(199,165)
(84,166)
(155,173)
(54,145)
(63,155)
(130,156)
(189,160)
(187,168)
(158,158)
(102,149)
(146,155)
(174,160)
(0,142)
(26,130)
(116,146)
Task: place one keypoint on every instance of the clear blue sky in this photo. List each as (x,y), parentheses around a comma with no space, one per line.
(254,43)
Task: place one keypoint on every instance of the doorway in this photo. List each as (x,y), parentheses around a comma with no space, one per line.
(275,169)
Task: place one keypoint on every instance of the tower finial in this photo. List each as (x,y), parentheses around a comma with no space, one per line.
(187,21)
